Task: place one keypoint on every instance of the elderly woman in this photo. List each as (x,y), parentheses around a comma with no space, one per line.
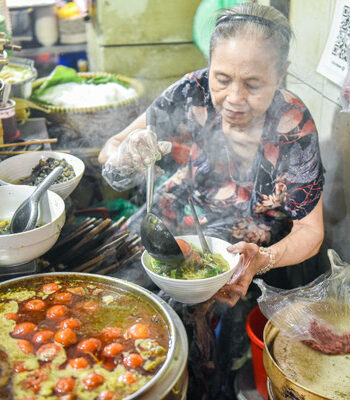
(250,159)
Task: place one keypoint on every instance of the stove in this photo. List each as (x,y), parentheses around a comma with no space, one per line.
(13,271)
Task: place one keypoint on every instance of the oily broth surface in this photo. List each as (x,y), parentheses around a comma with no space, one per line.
(116,308)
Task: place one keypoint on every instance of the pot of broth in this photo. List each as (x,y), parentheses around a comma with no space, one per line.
(86,337)
(297,372)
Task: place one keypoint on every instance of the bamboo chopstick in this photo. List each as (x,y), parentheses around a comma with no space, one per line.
(3,146)
(13,153)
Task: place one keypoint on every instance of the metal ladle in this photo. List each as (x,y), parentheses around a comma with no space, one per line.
(199,230)
(156,237)
(26,216)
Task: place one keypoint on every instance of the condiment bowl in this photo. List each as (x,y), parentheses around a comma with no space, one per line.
(20,166)
(193,291)
(19,248)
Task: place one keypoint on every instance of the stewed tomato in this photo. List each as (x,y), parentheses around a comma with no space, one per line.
(78,363)
(89,345)
(56,312)
(72,323)
(63,298)
(133,360)
(66,337)
(23,329)
(113,349)
(43,336)
(25,346)
(35,305)
(64,385)
(92,381)
(50,287)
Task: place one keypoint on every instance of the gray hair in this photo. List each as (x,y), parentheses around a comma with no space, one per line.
(255,20)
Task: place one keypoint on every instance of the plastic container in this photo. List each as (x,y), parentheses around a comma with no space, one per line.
(8,124)
(255,324)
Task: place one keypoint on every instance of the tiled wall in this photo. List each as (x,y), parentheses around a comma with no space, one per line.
(150,40)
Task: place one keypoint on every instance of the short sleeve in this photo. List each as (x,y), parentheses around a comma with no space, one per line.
(301,172)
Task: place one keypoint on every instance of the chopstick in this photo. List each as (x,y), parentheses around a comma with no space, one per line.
(3,146)
(12,153)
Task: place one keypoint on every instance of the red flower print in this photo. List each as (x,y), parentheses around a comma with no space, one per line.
(292,99)
(242,195)
(290,120)
(271,153)
(309,127)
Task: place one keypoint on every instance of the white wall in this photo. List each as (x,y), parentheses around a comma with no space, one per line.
(311,21)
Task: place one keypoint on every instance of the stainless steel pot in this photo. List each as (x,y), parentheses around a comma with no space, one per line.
(297,372)
(171,381)
(23,89)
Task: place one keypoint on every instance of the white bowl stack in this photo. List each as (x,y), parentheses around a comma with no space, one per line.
(18,167)
(193,291)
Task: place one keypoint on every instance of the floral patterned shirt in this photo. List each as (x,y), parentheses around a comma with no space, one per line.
(284,182)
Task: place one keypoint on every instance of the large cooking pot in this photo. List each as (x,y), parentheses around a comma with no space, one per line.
(297,372)
(170,383)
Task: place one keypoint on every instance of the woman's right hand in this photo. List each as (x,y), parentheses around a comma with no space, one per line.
(139,149)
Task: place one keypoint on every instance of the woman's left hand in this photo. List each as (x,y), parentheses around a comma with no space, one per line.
(250,263)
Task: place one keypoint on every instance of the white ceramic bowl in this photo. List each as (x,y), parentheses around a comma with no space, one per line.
(193,291)
(20,248)
(18,167)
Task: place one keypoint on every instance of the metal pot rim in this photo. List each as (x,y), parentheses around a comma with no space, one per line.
(156,301)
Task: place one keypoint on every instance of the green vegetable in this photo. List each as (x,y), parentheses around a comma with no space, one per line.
(212,265)
(62,74)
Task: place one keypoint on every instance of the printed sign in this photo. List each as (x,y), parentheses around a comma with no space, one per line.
(333,64)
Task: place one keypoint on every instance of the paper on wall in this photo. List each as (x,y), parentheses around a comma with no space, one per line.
(333,63)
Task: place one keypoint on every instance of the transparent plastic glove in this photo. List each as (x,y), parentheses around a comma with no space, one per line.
(126,167)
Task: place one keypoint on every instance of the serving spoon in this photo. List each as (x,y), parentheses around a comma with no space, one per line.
(199,230)
(26,216)
(156,237)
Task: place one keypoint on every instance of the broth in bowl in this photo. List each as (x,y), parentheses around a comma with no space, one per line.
(197,265)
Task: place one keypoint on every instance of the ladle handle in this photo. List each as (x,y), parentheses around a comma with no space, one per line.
(199,231)
(150,185)
(46,183)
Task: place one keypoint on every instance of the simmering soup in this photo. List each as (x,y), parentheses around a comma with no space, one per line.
(76,340)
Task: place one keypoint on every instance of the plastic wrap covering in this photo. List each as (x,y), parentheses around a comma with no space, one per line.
(126,167)
(317,314)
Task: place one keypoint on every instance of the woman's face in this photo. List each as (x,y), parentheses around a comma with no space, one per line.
(242,80)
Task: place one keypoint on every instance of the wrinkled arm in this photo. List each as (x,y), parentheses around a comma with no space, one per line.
(303,242)
(112,143)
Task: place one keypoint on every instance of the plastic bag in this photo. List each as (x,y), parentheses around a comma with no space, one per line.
(126,167)
(317,314)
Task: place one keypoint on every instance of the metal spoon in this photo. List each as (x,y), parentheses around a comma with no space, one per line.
(199,230)
(26,216)
(156,237)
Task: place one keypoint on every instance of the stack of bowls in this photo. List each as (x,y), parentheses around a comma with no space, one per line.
(15,168)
